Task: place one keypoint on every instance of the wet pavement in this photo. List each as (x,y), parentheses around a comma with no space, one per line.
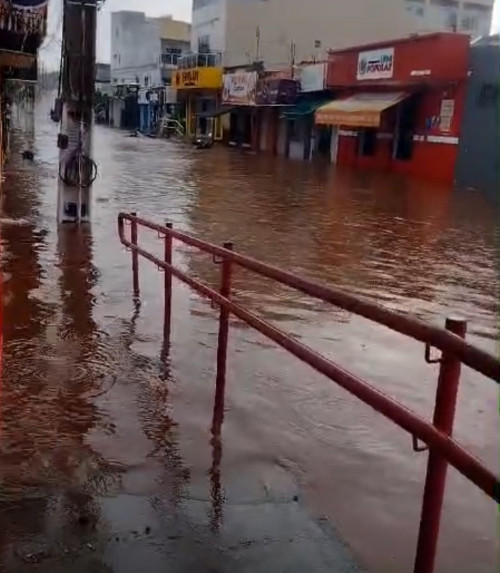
(107,462)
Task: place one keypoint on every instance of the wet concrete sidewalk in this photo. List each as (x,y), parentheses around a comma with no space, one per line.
(137,533)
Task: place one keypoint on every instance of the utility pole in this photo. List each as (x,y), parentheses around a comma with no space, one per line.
(77,170)
(257,47)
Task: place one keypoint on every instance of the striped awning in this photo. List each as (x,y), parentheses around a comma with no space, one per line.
(361,110)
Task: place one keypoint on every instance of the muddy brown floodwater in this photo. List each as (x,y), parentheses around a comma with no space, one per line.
(102,436)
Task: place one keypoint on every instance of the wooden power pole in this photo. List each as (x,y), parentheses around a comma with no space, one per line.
(77,170)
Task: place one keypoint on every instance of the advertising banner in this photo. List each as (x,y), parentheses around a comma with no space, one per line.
(198,78)
(276,92)
(239,88)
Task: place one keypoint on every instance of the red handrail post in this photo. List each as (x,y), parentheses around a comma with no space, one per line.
(168,287)
(437,466)
(135,255)
(220,383)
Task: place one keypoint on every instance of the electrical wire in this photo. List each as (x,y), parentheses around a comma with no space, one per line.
(78,170)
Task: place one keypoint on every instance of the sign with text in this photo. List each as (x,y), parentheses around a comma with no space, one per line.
(239,88)
(376,64)
(210,78)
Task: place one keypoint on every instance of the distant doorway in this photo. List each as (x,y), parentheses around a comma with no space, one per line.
(327,142)
(323,141)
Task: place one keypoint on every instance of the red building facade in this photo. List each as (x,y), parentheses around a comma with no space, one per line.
(399,104)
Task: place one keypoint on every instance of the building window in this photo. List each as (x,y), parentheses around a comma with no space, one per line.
(444,14)
(204,44)
(197,4)
(367,140)
(469,23)
(489,94)
(415,7)
(171,56)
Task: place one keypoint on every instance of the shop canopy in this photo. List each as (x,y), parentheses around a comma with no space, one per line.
(27,4)
(303,108)
(217,112)
(361,110)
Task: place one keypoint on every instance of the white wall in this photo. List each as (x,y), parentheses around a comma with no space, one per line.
(209,20)
(473,17)
(312,26)
(135,49)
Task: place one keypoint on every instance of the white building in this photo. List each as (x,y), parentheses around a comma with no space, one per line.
(472,18)
(279,32)
(145,50)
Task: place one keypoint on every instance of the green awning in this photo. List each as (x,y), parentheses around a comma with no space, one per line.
(303,108)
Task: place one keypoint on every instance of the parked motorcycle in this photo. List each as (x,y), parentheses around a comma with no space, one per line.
(203,141)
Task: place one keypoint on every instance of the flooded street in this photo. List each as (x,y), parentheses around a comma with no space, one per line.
(104,440)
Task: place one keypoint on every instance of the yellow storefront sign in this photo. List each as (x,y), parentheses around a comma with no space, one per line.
(198,78)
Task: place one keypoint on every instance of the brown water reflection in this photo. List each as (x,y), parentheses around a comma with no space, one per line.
(93,409)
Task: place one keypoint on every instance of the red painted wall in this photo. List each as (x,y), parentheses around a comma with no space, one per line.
(446,55)
(430,161)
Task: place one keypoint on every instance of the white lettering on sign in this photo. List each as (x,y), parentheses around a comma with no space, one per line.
(376,64)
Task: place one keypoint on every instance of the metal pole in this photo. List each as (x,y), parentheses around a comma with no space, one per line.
(168,287)
(77,86)
(220,384)
(437,466)
(135,255)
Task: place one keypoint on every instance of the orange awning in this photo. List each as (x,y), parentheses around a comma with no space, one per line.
(360,110)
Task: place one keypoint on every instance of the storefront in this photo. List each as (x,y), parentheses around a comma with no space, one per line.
(198,81)
(399,105)
(254,106)
(239,94)
(274,96)
(303,138)
(124,110)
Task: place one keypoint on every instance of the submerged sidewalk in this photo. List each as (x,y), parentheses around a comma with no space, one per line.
(137,533)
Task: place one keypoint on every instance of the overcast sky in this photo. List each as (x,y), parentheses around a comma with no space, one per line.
(50,53)
(180,9)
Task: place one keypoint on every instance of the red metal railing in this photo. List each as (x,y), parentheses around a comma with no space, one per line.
(436,435)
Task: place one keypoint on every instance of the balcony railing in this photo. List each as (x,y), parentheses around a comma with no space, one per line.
(25,22)
(170,59)
(202,60)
